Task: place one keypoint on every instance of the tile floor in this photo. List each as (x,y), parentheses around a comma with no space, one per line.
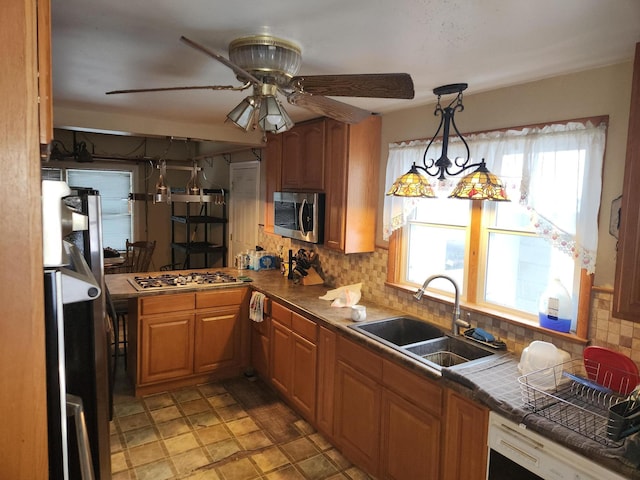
(231,430)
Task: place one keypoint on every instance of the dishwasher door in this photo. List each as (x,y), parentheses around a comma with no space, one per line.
(517,452)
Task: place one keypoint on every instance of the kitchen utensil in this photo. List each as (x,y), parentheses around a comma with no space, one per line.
(623,420)
(634,398)
(586,383)
(611,369)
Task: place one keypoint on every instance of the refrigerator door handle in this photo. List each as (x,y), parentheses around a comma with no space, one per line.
(75,409)
(78,285)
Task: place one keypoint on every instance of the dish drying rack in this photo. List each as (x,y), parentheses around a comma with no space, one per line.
(565,395)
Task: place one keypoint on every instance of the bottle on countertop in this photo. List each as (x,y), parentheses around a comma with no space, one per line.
(555,307)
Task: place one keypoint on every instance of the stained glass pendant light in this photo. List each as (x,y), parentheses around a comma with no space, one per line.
(479,185)
(412,184)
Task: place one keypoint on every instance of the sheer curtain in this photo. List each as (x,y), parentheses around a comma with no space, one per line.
(554,171)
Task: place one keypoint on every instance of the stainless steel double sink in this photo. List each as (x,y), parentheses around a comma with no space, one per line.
(424,342)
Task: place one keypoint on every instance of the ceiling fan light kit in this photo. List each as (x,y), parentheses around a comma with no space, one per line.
(264,55)
(270,64)
(478,185)
(244,114)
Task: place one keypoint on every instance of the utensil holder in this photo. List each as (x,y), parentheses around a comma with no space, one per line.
(624,419)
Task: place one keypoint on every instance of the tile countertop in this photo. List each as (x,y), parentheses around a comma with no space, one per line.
(493,382)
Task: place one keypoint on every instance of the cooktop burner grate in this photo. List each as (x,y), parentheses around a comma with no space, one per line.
(172,280)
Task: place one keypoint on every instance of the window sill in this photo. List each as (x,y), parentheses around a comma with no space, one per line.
(494,313)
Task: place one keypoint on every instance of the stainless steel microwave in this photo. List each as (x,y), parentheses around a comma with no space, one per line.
(299,215)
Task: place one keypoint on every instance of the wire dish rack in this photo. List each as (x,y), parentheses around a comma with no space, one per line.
(565,395)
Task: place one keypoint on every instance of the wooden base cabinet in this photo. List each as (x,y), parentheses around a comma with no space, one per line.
(465,439)
(217,340)
(358,401)
(326,380)
(293,359)
(411,427)
(260,347)
(167,343)
(387,419)
(186,338)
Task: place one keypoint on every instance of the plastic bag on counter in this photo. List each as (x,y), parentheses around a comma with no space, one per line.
(346,296)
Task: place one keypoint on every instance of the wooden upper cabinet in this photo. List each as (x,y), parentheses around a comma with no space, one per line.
(44,72)
(303,157)
(273,161)
(626,294)
(338,159)
(351,179)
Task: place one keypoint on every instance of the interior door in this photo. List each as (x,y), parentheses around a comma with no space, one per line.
(243,207)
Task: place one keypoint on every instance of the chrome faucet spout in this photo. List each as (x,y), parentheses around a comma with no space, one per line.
(456,322)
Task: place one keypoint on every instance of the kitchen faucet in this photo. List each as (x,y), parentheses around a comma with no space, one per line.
(456,321)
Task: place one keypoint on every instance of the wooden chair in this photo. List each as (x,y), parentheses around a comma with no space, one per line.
(137,259)
(138,256)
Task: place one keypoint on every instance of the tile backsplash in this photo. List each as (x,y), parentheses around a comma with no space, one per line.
(370,268)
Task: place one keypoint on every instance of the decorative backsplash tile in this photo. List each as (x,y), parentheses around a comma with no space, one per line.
(370,268)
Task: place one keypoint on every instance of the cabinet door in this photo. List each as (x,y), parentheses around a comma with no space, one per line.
(303,376)
(281,357)
(326,378)
(626,294)
(336,181)
(465,439)
(45,98)
(166,347)
(351,184)
(217,340)
(410,440)
(260,347)
(357,410)
(303,157)
(273,182)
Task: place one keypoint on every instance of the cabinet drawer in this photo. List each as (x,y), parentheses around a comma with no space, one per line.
(167,303)
(280,313)
(220,298)
(419,390)
(360,358)
(304,327)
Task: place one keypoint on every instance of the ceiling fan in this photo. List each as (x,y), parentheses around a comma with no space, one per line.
(270,65)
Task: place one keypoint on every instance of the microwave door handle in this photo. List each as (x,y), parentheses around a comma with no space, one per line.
(301,216)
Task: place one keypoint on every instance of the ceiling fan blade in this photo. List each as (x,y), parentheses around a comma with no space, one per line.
(240,72)
(374,85)
(328,107)
(166,89)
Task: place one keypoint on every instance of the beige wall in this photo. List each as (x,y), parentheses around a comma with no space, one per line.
(604,91)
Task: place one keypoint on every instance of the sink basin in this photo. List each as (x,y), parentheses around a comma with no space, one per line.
(423,342)
(448,351)
(399,331)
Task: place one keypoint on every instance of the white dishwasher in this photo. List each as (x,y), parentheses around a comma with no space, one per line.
(516,452)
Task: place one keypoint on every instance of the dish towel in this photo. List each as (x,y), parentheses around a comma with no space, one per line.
(256,306)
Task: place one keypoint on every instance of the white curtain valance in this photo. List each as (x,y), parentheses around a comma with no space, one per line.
(540,166)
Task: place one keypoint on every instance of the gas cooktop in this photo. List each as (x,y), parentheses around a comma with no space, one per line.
(182,280)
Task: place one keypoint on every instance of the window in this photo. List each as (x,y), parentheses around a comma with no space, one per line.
(503,255)
(114,187)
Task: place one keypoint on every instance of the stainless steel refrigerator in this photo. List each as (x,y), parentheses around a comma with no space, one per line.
(78,334)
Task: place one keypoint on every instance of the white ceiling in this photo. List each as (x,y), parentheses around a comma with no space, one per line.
(104,45)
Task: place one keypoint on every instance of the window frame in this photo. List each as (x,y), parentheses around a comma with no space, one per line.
(132,170)
(475,254)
